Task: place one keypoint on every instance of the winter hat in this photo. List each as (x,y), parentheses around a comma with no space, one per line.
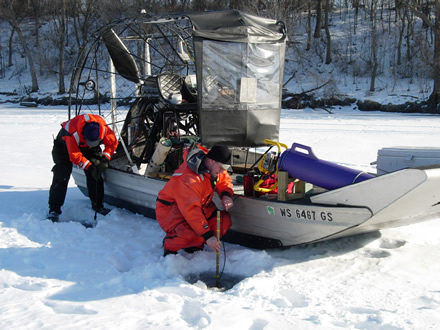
(220,154)
(91,133)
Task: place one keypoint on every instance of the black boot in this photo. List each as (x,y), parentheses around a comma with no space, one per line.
(167,252)
(54,216)
(193,249)
(99,208)
(102,210)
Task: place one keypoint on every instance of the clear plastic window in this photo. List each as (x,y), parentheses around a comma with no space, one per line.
(240,76)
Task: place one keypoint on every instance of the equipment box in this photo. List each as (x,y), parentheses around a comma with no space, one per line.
(397,158)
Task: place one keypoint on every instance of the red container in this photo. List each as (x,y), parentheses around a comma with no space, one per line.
(248,184)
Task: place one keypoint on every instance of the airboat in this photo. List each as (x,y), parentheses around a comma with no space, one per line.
(166,82)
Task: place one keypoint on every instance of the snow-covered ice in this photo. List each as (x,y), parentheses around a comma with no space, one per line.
(64,276)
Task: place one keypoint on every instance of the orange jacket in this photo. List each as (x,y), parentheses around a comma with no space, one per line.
(187,196)
(75,140)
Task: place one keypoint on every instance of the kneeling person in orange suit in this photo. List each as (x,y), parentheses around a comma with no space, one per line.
(184,207)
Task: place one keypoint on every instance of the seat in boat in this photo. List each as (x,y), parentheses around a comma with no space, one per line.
(175,94)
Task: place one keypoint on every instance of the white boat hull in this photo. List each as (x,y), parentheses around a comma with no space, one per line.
(400,198)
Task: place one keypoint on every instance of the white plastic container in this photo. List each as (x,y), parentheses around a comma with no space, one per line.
(397,158)
(159,155)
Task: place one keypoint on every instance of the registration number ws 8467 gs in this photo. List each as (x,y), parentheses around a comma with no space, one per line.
(306,214)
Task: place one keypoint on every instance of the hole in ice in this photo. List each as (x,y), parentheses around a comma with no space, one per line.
(226,281)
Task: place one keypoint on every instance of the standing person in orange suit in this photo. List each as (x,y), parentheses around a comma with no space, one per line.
(184,207)
(78,142)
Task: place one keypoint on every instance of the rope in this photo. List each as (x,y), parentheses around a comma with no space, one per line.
(357,176)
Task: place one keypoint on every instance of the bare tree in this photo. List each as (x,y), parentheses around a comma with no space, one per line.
(402,13)
(10,43)
(328,58)
(309,27)
(356,5)
(58,14)
(83,14)
(14,12)
(36,7)
(317,33)
(434,24)
(373,44)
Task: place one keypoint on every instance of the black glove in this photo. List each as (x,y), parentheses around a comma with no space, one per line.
(95,161)
(103,164)
(104,160)
(94,172)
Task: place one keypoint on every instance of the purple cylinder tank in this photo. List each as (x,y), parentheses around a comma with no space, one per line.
(301,163)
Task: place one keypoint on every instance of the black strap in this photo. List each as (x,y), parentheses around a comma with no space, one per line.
(164,202)
(212,214)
